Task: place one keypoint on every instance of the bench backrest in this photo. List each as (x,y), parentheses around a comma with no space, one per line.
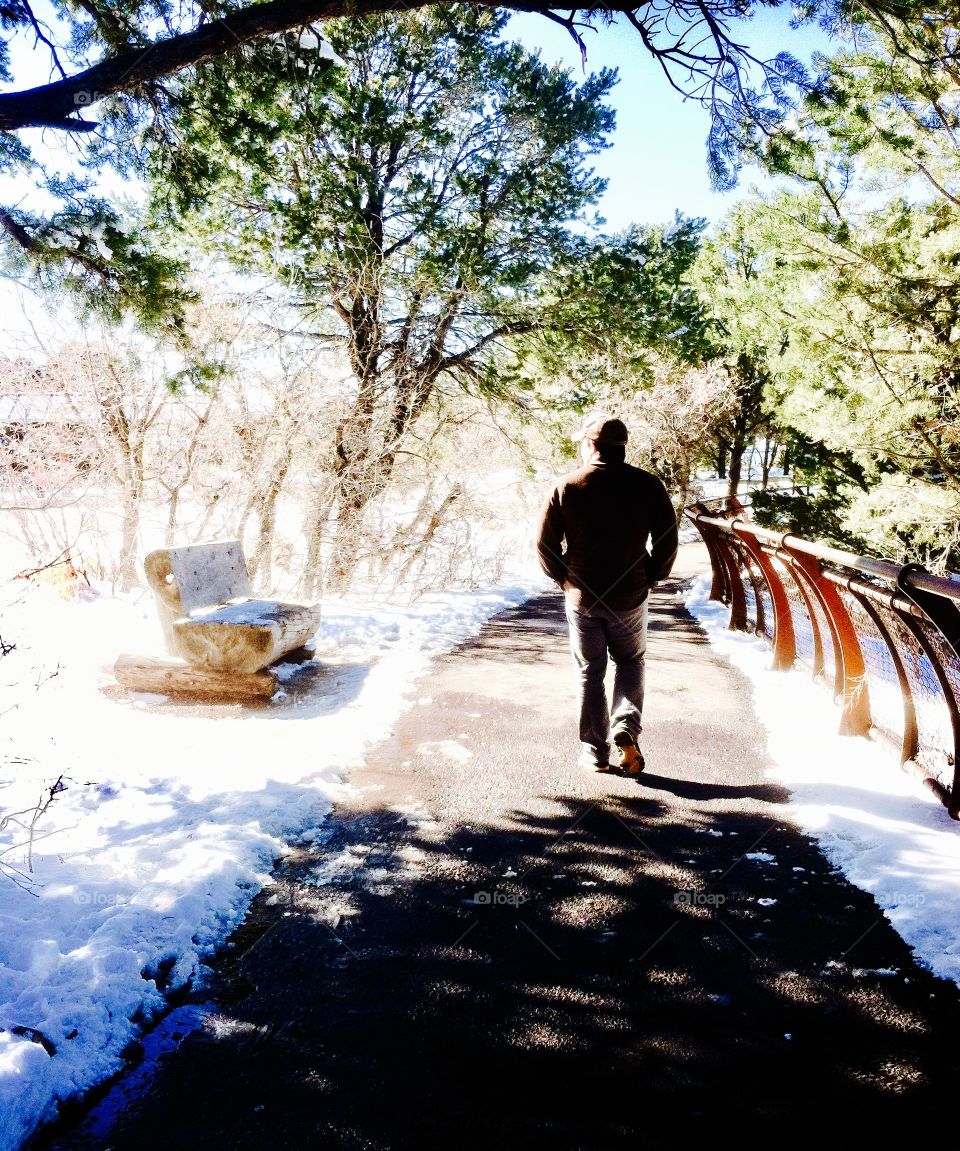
(209,574)
(195,576)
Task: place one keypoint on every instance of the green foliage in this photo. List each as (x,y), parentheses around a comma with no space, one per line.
(418,203)
(620,301)
(103,262)
(816,508)
(439,165)
(129,69)
(859,267)
(738,283)
(72,239)
(201,372)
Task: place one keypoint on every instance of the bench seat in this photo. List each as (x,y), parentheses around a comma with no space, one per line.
(244,635)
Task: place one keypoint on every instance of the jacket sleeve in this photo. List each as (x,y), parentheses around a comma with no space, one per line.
(664,539)
(550,539)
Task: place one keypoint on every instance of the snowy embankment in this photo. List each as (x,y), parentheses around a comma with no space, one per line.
(877,824)
(161,821)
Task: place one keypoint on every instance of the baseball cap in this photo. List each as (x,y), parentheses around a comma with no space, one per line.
(604,430)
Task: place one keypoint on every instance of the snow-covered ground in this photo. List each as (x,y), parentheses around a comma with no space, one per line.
(167,818)
(162,821)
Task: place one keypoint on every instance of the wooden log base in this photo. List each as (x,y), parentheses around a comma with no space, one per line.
(175,677)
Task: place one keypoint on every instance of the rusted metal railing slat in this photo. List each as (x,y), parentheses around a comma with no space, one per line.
(850,681)
(784,640)
(786,561)
(944,615)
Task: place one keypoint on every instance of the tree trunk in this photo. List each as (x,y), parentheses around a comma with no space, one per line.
(684,485)
(262,562)
(770,449)
(173,505)
(737,449)
(364,472)
(347,547)
(130,533)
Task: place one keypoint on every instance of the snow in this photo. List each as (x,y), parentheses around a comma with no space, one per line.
(168,817)
(310,40)
(248,612)
(886,832)
(171,816)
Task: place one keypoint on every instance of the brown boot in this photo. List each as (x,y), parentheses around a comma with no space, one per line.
(631,757)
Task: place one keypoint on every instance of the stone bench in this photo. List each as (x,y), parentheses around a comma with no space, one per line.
(222,639)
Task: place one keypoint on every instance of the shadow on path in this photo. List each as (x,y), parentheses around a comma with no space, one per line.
(689,789)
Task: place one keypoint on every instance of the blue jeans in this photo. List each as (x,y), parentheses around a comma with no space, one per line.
(622,634)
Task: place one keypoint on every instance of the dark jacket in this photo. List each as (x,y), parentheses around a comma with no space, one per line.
(605,514)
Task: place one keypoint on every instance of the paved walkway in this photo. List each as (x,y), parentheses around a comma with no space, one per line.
(493,948)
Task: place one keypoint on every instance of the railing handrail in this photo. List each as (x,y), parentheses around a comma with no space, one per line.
(904,575)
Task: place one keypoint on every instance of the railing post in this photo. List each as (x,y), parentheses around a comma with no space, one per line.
(910,742)
(718,588)
(787,562)
(945,617)
(850,679)
(738,598)
(724,563)
(784,640)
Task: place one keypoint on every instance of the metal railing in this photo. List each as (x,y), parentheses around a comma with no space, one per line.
(884,639)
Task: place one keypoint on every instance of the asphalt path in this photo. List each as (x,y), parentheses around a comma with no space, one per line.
(491,947)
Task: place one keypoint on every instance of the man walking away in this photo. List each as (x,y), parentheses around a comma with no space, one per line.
(592,541)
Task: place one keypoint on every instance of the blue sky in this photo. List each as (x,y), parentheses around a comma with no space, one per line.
(657,162)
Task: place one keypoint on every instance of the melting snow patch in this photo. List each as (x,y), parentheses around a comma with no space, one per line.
(446,747)
(339,866)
